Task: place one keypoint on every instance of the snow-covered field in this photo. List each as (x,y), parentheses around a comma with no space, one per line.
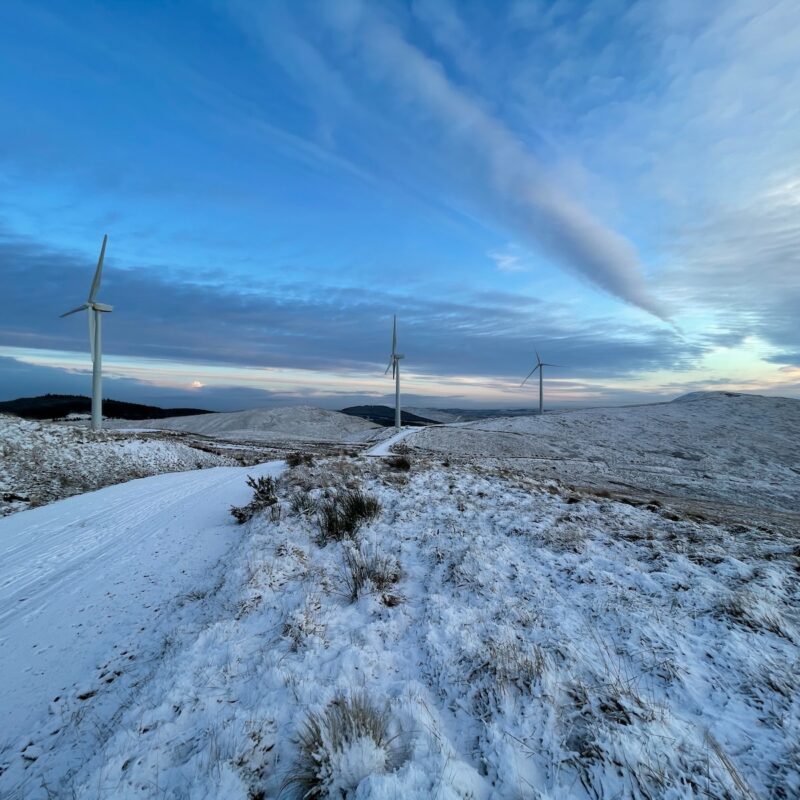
(303,423)
(41,462)
(716,448)
(489,631)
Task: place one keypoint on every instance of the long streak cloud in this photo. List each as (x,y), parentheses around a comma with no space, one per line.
(526,201)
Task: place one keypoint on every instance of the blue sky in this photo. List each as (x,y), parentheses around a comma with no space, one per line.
(615,184)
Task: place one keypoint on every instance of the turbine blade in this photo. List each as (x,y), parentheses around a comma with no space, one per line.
(544,364)
(98,272)
(394,335)
(386,371)
(76,310)
(91,334)
(529,374)
(538,360)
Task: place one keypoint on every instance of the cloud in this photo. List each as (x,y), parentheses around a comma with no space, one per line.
(447,332)
(513,184)
(512,259)
(741,268)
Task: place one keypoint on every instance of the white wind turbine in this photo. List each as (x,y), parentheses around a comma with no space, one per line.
(95,309)
(394,366)
(540,366)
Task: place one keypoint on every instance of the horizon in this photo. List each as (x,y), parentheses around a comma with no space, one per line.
(616,187)
(415,407)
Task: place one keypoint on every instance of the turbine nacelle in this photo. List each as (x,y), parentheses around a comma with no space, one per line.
(104,307)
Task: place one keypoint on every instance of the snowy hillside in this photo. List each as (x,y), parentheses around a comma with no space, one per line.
(483,637)
(474,620)
(742,449)
(436,414)
(295,422)
(41,462)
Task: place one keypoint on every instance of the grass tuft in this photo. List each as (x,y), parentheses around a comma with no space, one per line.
(265,494)
(302,503)
(341,516)
(297,459)
(400,463)
(368,570)
(342,746)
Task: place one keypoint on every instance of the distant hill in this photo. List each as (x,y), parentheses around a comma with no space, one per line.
(692,396)
(263,424)
(58,406)
(384,415)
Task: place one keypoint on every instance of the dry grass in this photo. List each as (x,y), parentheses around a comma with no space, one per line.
(368,570)
(341,515)
(297,459)
(401,463)
(304,622)
(346,724)
(302,503)
(748,611)
(265,494)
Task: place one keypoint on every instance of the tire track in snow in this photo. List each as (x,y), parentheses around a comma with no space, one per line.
(87,576)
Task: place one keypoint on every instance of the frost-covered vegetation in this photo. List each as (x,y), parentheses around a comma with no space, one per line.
(706,448)
(41,462)
(449,626)
(535,643)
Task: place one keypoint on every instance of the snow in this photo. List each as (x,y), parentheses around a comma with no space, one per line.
(41,462)
(436,414)
(713,448)
(91,588)
(384,447)
(304,423)
(542,641)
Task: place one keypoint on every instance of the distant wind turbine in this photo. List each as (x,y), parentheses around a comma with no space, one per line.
(95,309)
(540,366)
(394,366)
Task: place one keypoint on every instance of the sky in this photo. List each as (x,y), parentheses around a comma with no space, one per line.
(615,185)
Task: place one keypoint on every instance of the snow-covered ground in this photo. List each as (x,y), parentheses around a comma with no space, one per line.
(436,414)
(740,450)
(94,591)
(514,637)
(41,462)
(385,446)
(303,423)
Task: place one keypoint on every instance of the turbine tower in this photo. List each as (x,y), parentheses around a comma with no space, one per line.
(394,366)
(95,310)
(540,366)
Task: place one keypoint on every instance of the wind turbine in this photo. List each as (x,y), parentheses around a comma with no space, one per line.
(394,366)
(95,309)
(540,366)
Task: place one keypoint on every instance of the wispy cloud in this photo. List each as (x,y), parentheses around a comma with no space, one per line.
(511,259)
(741,269)
(514,185)
(312,326)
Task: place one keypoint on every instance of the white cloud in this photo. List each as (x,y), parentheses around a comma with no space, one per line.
(520,191)
(511,259)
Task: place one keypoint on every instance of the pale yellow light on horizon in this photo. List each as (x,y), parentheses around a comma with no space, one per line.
(744,365)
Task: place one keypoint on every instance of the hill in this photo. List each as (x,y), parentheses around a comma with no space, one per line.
(481,632)
(59,406)
(44,461)
(712,447)
(292,422)
(384,415)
